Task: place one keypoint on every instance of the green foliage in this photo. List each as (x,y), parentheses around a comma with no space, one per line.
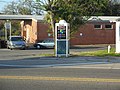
(111,9)
(2,30)
(15,29)
(71,10)
(10,8)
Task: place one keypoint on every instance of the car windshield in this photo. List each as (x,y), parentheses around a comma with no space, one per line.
(48,41)
(16,39)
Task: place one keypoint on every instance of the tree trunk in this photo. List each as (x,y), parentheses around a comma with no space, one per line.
(52,23)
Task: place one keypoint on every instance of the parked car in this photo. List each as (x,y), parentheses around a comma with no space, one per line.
(16,42)
(47,43)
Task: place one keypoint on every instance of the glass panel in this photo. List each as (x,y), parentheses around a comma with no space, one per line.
(108,26)
(98,26)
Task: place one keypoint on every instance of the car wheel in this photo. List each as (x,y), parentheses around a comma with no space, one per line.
(38,46)
(8,47)
(23,48)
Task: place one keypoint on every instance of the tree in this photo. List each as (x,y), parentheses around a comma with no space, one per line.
(2,32)
(116,10)
(112,9)
(23,7)
(15,29)
(11,8)
(75,12)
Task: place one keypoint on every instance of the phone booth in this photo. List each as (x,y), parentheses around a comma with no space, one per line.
(62,36)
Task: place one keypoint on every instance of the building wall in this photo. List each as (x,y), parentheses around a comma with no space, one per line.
(29,30)
(33,34)
(42,30)
(87,34)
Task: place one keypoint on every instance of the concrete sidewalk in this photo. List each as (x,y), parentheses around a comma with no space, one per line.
(92,62)
(93,66)
(63,62)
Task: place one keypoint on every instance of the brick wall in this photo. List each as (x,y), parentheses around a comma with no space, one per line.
(42,31)
(87,34)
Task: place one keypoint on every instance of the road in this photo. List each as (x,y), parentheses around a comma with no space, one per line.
(25,70)
(59,79)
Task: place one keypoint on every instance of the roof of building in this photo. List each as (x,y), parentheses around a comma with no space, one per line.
(105,18)
(21,17)
(41,17)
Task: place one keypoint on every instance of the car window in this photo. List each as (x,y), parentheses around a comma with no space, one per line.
(48,41)
(51,40)
(45,41)
(16,39)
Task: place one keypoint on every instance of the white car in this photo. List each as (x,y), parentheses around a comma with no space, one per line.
(47,43)
(16,42)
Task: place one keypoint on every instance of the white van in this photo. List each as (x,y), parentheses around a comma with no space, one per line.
(16,42)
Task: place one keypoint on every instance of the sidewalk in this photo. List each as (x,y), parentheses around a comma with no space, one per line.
(95,66)
(82,62)
(95,63)
(63,62)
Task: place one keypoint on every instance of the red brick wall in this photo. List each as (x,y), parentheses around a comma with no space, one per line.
(94,36)
(42,31)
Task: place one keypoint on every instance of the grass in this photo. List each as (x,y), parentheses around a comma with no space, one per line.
(44,55)
(100,53)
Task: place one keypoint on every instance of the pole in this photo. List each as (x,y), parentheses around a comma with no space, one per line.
(10,29)
(7,27)
(5,32)
(109,47)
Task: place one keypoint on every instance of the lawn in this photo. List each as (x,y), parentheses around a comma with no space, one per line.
(101,53)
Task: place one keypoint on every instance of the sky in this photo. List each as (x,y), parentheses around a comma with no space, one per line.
(4,2)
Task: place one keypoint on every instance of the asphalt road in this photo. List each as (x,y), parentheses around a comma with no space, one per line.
(59,79)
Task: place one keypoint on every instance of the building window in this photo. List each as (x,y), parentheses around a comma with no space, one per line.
(98,26)
(108,26)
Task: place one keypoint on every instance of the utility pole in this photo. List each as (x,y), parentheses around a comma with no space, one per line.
(5,34)
(7,27)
